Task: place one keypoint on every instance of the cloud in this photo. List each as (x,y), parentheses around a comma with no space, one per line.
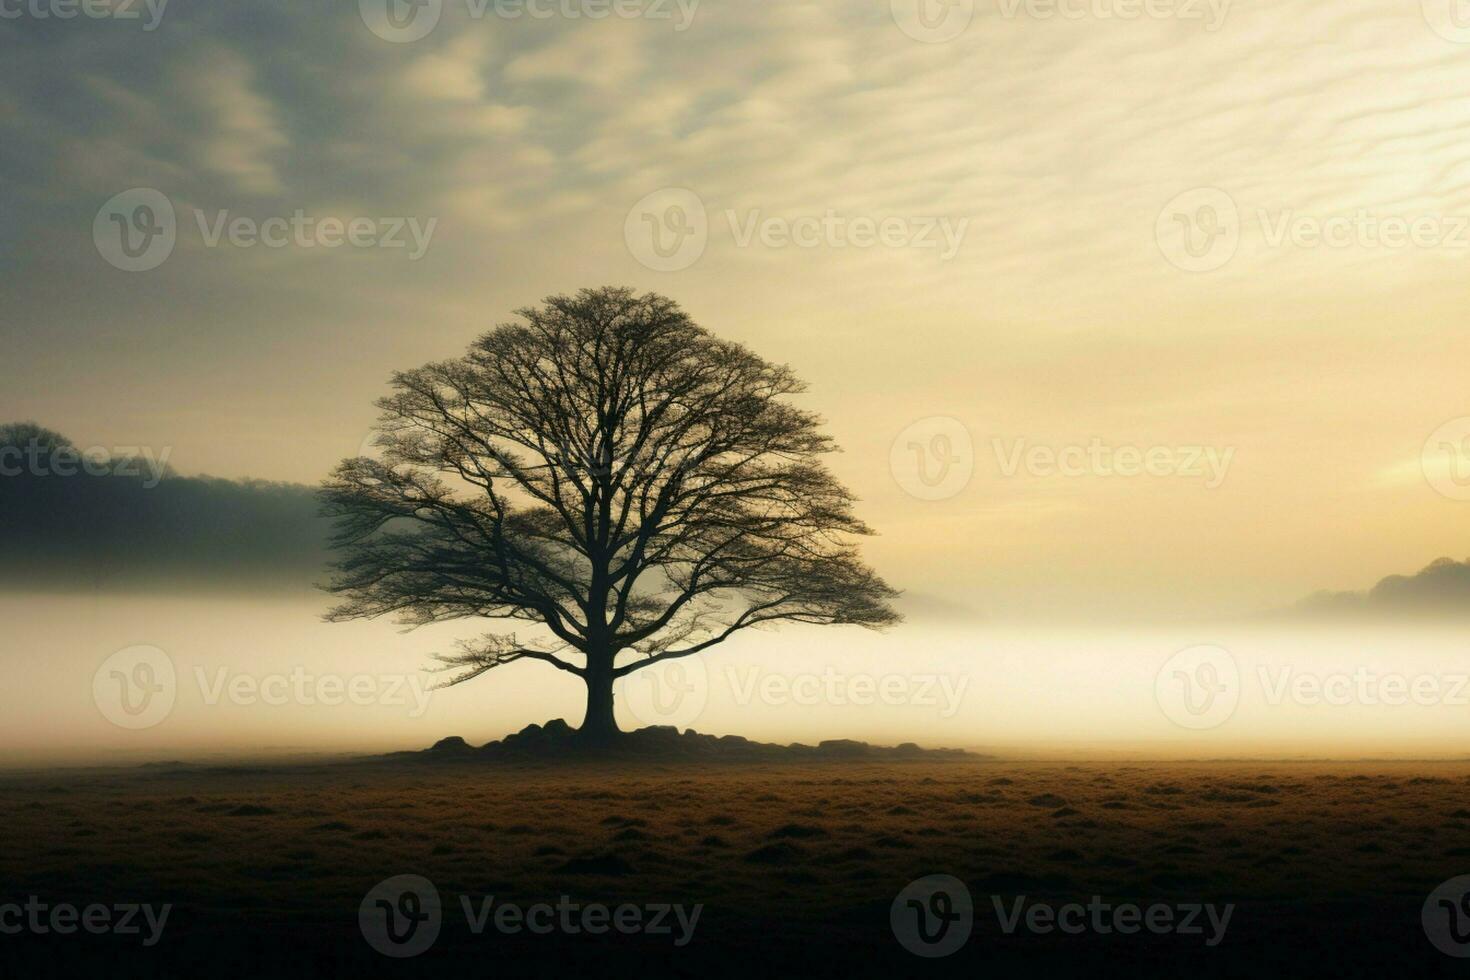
(240,135)
(529,140)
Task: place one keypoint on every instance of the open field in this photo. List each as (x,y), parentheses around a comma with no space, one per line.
(795,865)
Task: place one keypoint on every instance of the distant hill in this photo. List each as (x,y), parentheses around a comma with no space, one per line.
(123,527)
(1439,590)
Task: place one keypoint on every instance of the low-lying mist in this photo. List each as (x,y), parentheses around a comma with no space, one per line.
(257,677)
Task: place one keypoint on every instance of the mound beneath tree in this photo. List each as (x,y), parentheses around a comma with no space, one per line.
(558,740)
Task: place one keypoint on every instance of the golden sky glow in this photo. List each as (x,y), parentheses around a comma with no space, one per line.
(1158,317)
(1053,144)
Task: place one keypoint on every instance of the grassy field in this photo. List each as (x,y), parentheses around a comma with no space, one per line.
(794,866)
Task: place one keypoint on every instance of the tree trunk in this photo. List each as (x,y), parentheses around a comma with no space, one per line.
(599,726)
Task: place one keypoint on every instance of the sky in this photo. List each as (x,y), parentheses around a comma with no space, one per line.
(1117,309)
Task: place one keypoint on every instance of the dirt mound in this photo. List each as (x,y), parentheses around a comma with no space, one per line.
(558,740)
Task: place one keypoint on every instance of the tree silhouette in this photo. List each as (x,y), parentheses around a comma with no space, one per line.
(611,470)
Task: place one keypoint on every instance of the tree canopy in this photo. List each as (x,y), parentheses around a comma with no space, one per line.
(610,469)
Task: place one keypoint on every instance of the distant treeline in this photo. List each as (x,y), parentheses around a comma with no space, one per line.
(122,525)
(1441,588)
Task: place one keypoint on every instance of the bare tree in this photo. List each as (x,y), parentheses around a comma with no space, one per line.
(613,471)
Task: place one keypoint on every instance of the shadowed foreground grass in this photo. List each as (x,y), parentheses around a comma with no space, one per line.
(795,865)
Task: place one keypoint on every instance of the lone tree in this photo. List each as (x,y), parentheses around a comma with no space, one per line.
(611,470)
